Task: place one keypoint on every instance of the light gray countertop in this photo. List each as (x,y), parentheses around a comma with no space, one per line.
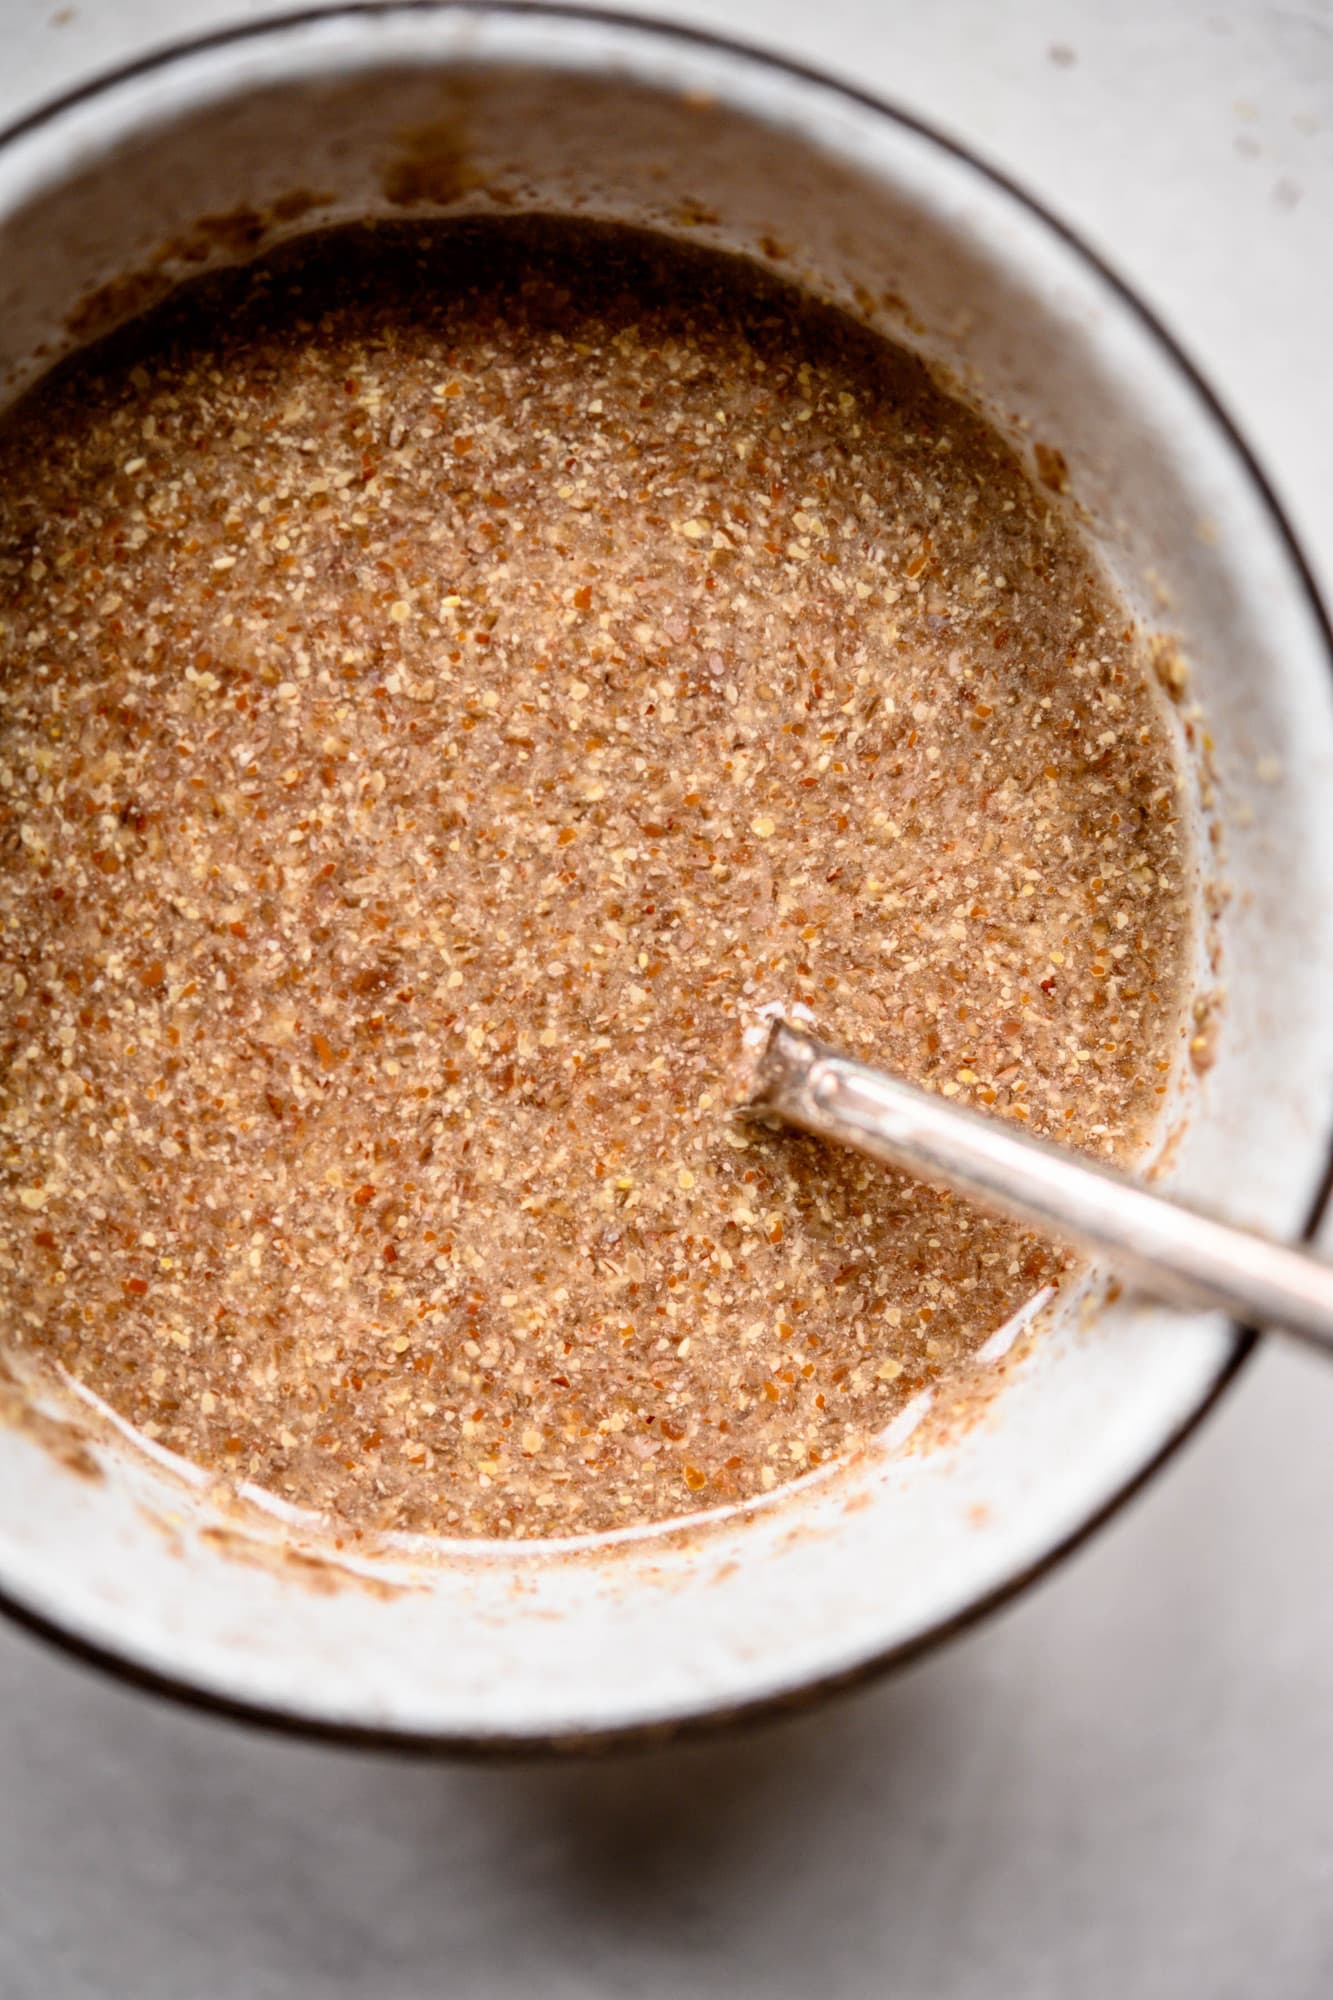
(1123,1785)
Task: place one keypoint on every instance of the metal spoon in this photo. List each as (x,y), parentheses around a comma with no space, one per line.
(1170,1249)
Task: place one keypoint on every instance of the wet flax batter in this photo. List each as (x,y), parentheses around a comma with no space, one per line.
(449,677)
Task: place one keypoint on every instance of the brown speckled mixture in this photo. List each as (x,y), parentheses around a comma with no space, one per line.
(449,679)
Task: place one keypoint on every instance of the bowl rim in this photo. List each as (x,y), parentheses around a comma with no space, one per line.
(161,58)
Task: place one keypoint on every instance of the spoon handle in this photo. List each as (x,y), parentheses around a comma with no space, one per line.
(1168,1248)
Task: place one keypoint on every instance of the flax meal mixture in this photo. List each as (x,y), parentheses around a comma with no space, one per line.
(450,677)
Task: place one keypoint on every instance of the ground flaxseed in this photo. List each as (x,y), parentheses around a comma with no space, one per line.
(450,678)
